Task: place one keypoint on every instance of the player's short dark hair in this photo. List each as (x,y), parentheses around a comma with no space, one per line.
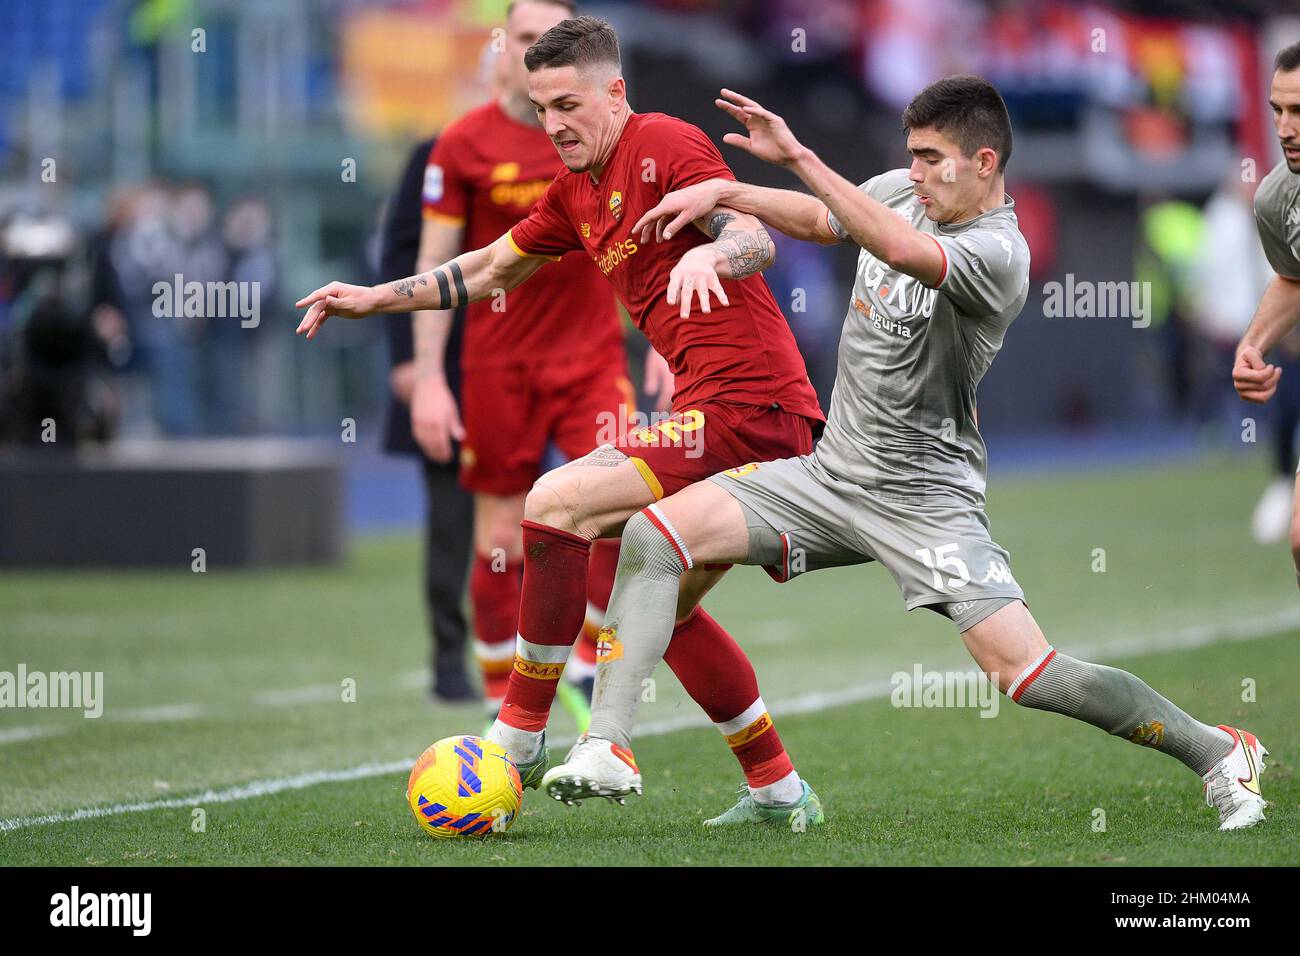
(569,6)
(1288,58)
(969,110)
(579,42)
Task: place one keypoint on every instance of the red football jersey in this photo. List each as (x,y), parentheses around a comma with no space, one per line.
(744,352)
(486,171)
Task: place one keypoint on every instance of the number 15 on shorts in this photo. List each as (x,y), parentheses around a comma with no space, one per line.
(944,558)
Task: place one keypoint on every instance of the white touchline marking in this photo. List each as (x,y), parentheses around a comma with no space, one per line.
(161,713)
(812,702)
(258,788)
(17,734)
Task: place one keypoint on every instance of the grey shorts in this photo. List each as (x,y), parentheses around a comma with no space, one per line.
(940,553)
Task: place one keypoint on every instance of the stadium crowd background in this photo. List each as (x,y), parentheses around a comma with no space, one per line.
(258,142)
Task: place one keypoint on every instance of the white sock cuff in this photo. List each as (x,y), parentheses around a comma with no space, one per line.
(656,516)
(1029,673)
(750,714)
(542,653)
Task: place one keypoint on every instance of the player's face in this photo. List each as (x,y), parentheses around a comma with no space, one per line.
(578,110)
(525,25)
(946,182)
(1284,98)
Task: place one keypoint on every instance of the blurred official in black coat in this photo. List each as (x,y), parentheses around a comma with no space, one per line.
(449,516)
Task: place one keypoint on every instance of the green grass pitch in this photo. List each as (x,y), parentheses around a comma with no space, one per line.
(222,690)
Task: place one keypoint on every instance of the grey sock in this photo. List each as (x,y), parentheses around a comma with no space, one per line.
(638,627)
(1123,705)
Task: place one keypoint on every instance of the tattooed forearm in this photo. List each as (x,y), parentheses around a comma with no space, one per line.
(718,223)
(406,287)
(747,252)
(461,295)
(447,277)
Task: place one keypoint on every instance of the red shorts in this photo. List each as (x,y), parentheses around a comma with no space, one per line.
(709,437)
(512,411)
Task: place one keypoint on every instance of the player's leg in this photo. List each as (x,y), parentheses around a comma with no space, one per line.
(674,455)
(565,511)
(494,588)
(673,550)
(595,403)
(709,663)
(663,545)
(655,559)
(500,459)
(1009,646)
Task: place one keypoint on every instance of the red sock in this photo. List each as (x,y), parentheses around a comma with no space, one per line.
(603,567)
(600,584)
(720,678)
(551,610)
(494,598)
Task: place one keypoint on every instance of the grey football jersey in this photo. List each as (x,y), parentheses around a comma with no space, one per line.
(1277,217)
(902,414)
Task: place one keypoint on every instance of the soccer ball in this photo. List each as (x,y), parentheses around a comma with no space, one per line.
(463,787)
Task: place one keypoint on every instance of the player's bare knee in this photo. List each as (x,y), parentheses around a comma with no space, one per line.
(554,502)
(1295,542)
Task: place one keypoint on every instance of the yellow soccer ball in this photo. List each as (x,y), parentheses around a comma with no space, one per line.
(464,787)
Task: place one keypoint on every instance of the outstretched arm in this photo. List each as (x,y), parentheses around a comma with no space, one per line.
(872,224)
(796,214)
(869,223)
(467,278)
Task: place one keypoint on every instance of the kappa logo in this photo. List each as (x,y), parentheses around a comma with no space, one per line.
(608,646)
(586,230)
(616,204)
(998,573)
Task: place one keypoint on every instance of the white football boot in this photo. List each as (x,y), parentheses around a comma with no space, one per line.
(1232,785)
(595,767)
